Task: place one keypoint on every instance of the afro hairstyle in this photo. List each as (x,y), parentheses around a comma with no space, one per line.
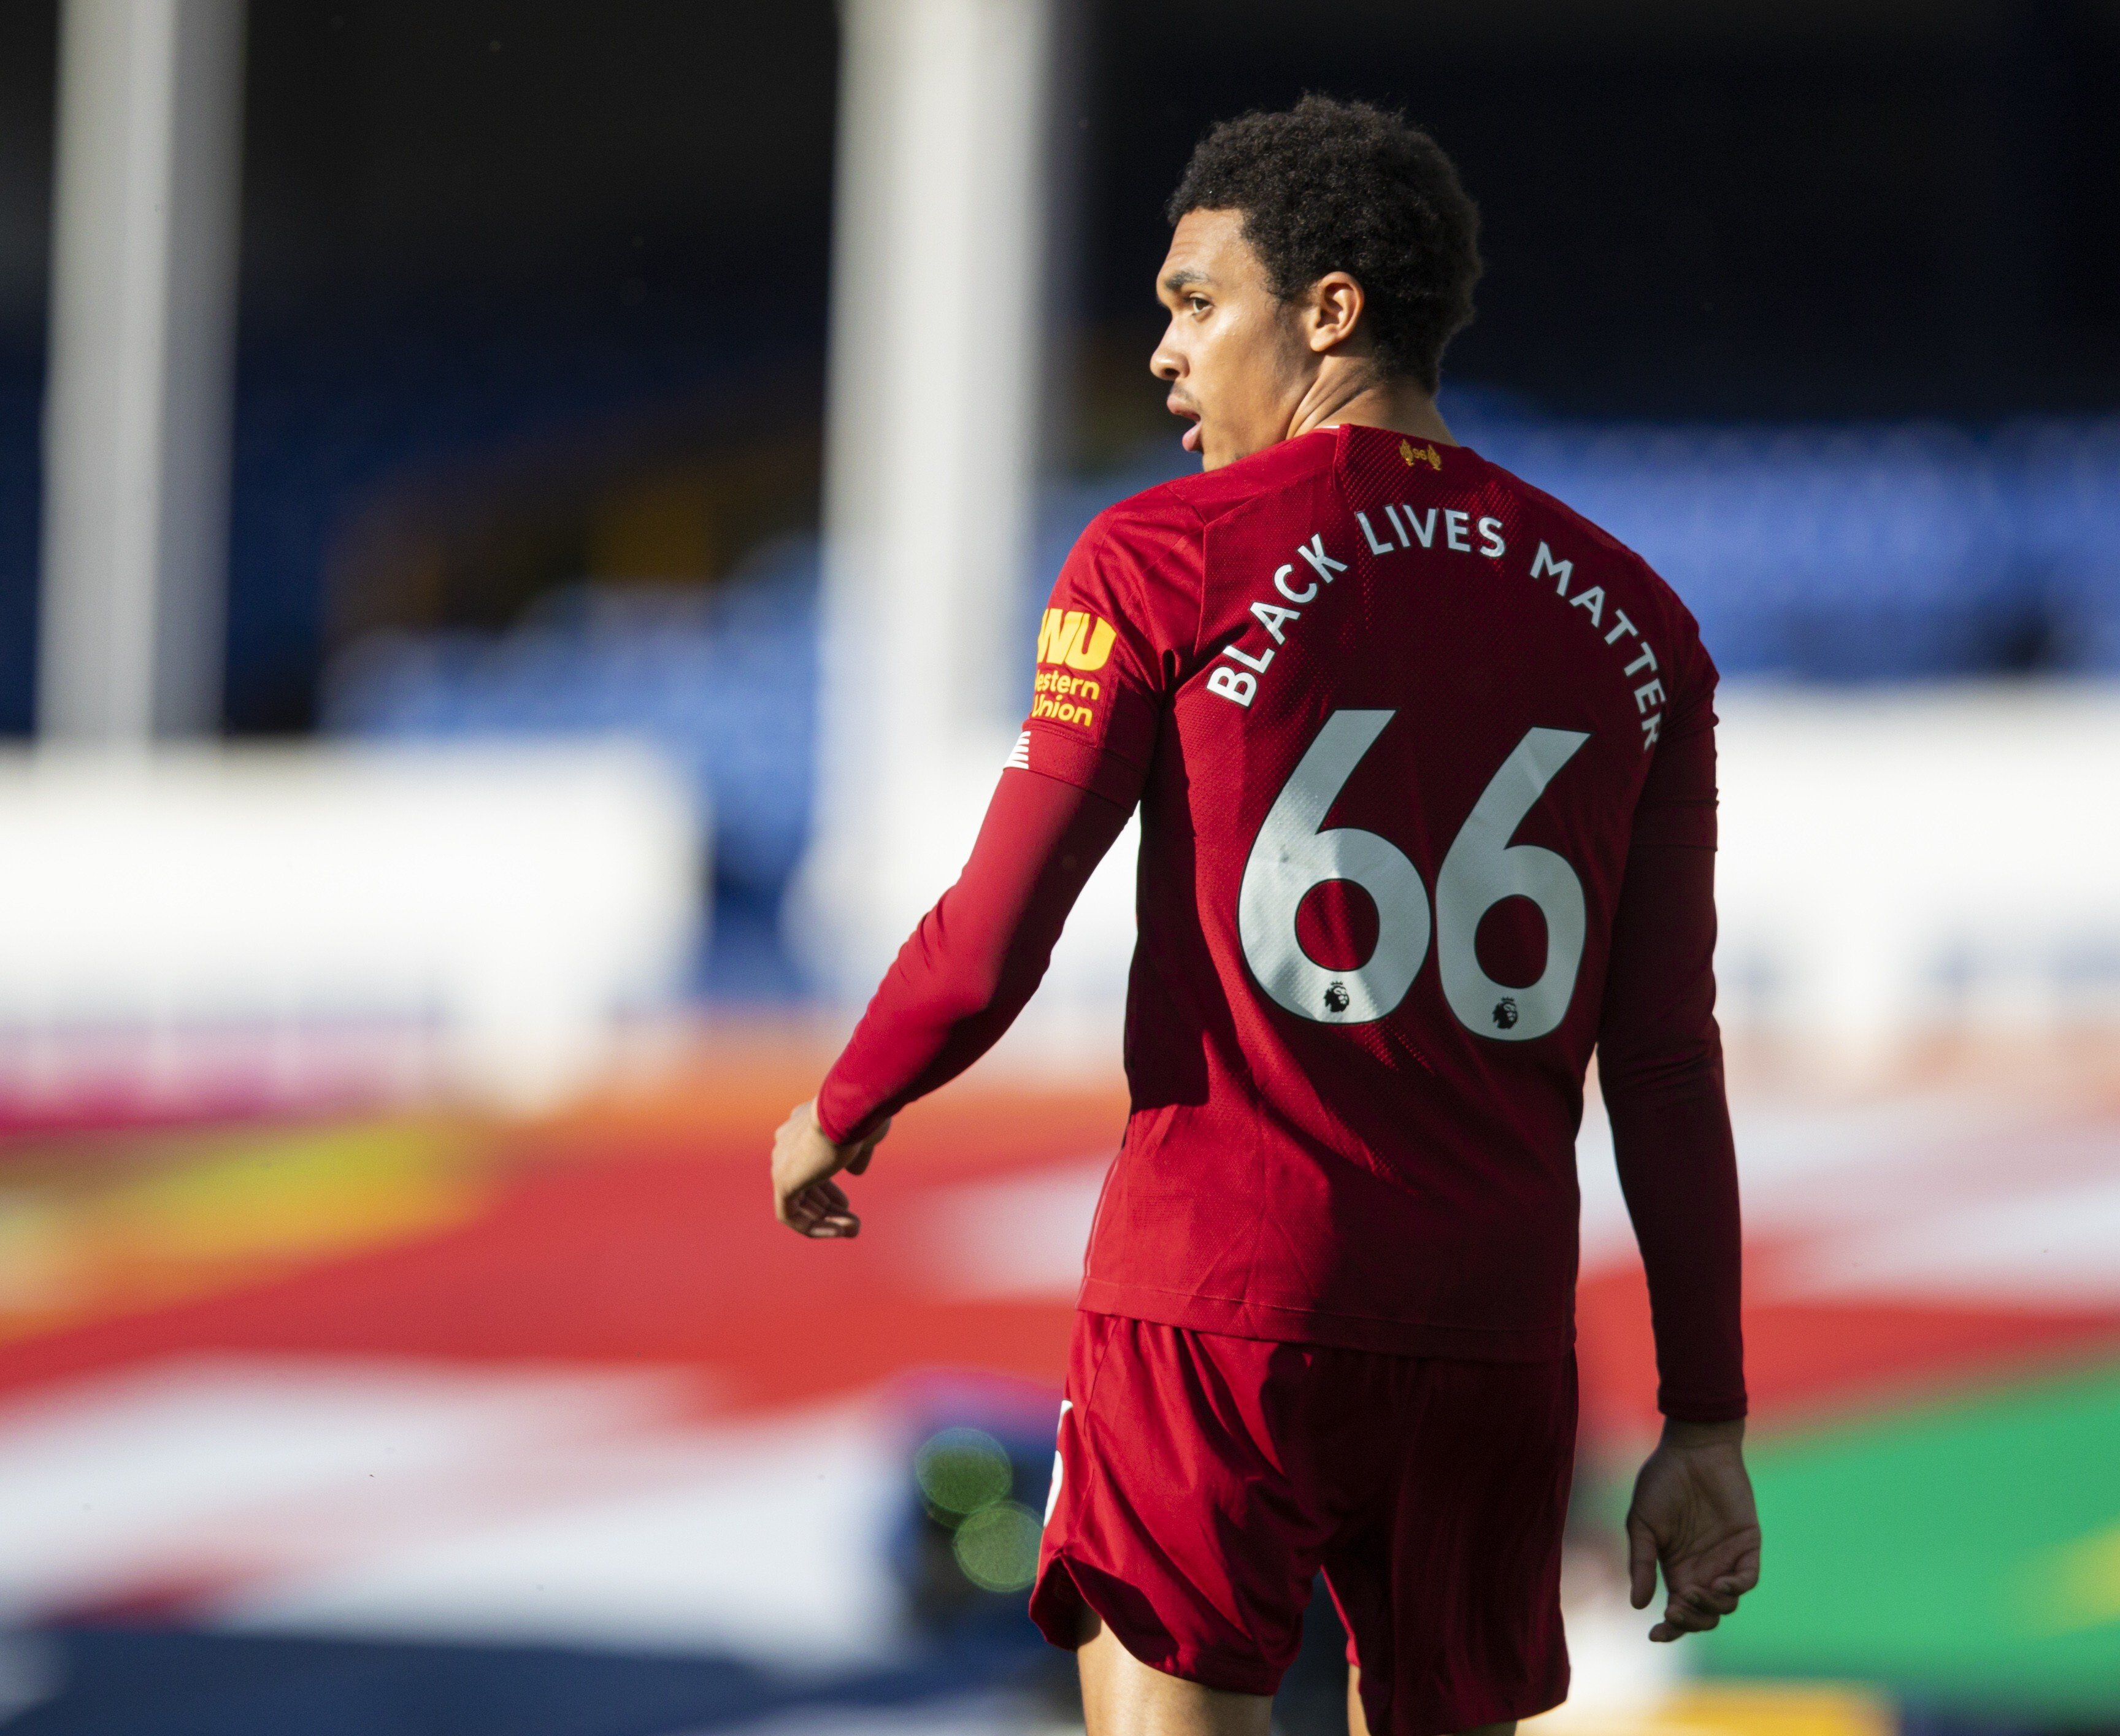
(1328,186)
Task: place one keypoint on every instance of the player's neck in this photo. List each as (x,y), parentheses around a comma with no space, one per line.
(1368,402)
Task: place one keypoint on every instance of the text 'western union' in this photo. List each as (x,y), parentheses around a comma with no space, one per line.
(1056,695)
(1075,638)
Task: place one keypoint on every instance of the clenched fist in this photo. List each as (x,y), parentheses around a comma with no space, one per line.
(804,1197)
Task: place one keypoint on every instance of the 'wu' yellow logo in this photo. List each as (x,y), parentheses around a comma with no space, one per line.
(1075,638)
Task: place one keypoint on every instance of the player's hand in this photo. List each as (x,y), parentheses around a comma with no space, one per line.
(1694,1515)
(804,1197)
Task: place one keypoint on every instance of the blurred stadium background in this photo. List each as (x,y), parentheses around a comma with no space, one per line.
(519,531)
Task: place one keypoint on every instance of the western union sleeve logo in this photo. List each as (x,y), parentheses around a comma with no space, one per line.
(1070,639)
(1074,638)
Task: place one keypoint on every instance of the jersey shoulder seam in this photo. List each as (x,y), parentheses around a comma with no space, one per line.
(1290,463)
(1231,490)
(1150,512)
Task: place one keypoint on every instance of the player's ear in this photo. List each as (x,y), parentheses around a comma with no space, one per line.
(1334,307)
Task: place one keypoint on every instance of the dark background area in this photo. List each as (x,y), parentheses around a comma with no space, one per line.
(534,293)
(1740,210)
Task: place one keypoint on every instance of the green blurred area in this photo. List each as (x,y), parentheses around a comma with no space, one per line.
(1964,1554)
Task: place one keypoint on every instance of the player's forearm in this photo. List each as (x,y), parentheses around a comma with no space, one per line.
(1670,1132)
(977,956)
(929,1021)
(1660,1065)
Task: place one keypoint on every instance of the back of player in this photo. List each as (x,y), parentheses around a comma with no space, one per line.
(1395,711)
(1391,713)
(1424,765)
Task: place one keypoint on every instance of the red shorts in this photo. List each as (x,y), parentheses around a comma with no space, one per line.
(1202,1481)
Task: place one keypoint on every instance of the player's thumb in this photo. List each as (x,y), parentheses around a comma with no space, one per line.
(1641,1563)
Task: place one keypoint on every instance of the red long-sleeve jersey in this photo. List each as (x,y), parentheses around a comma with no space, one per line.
(1426,767)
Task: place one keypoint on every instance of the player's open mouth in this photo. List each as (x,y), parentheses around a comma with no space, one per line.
(1191,442)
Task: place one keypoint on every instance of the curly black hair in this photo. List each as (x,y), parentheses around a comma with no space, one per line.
(1345,186)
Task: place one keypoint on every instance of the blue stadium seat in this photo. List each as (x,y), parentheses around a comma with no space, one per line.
(726,686)
(2067,479)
